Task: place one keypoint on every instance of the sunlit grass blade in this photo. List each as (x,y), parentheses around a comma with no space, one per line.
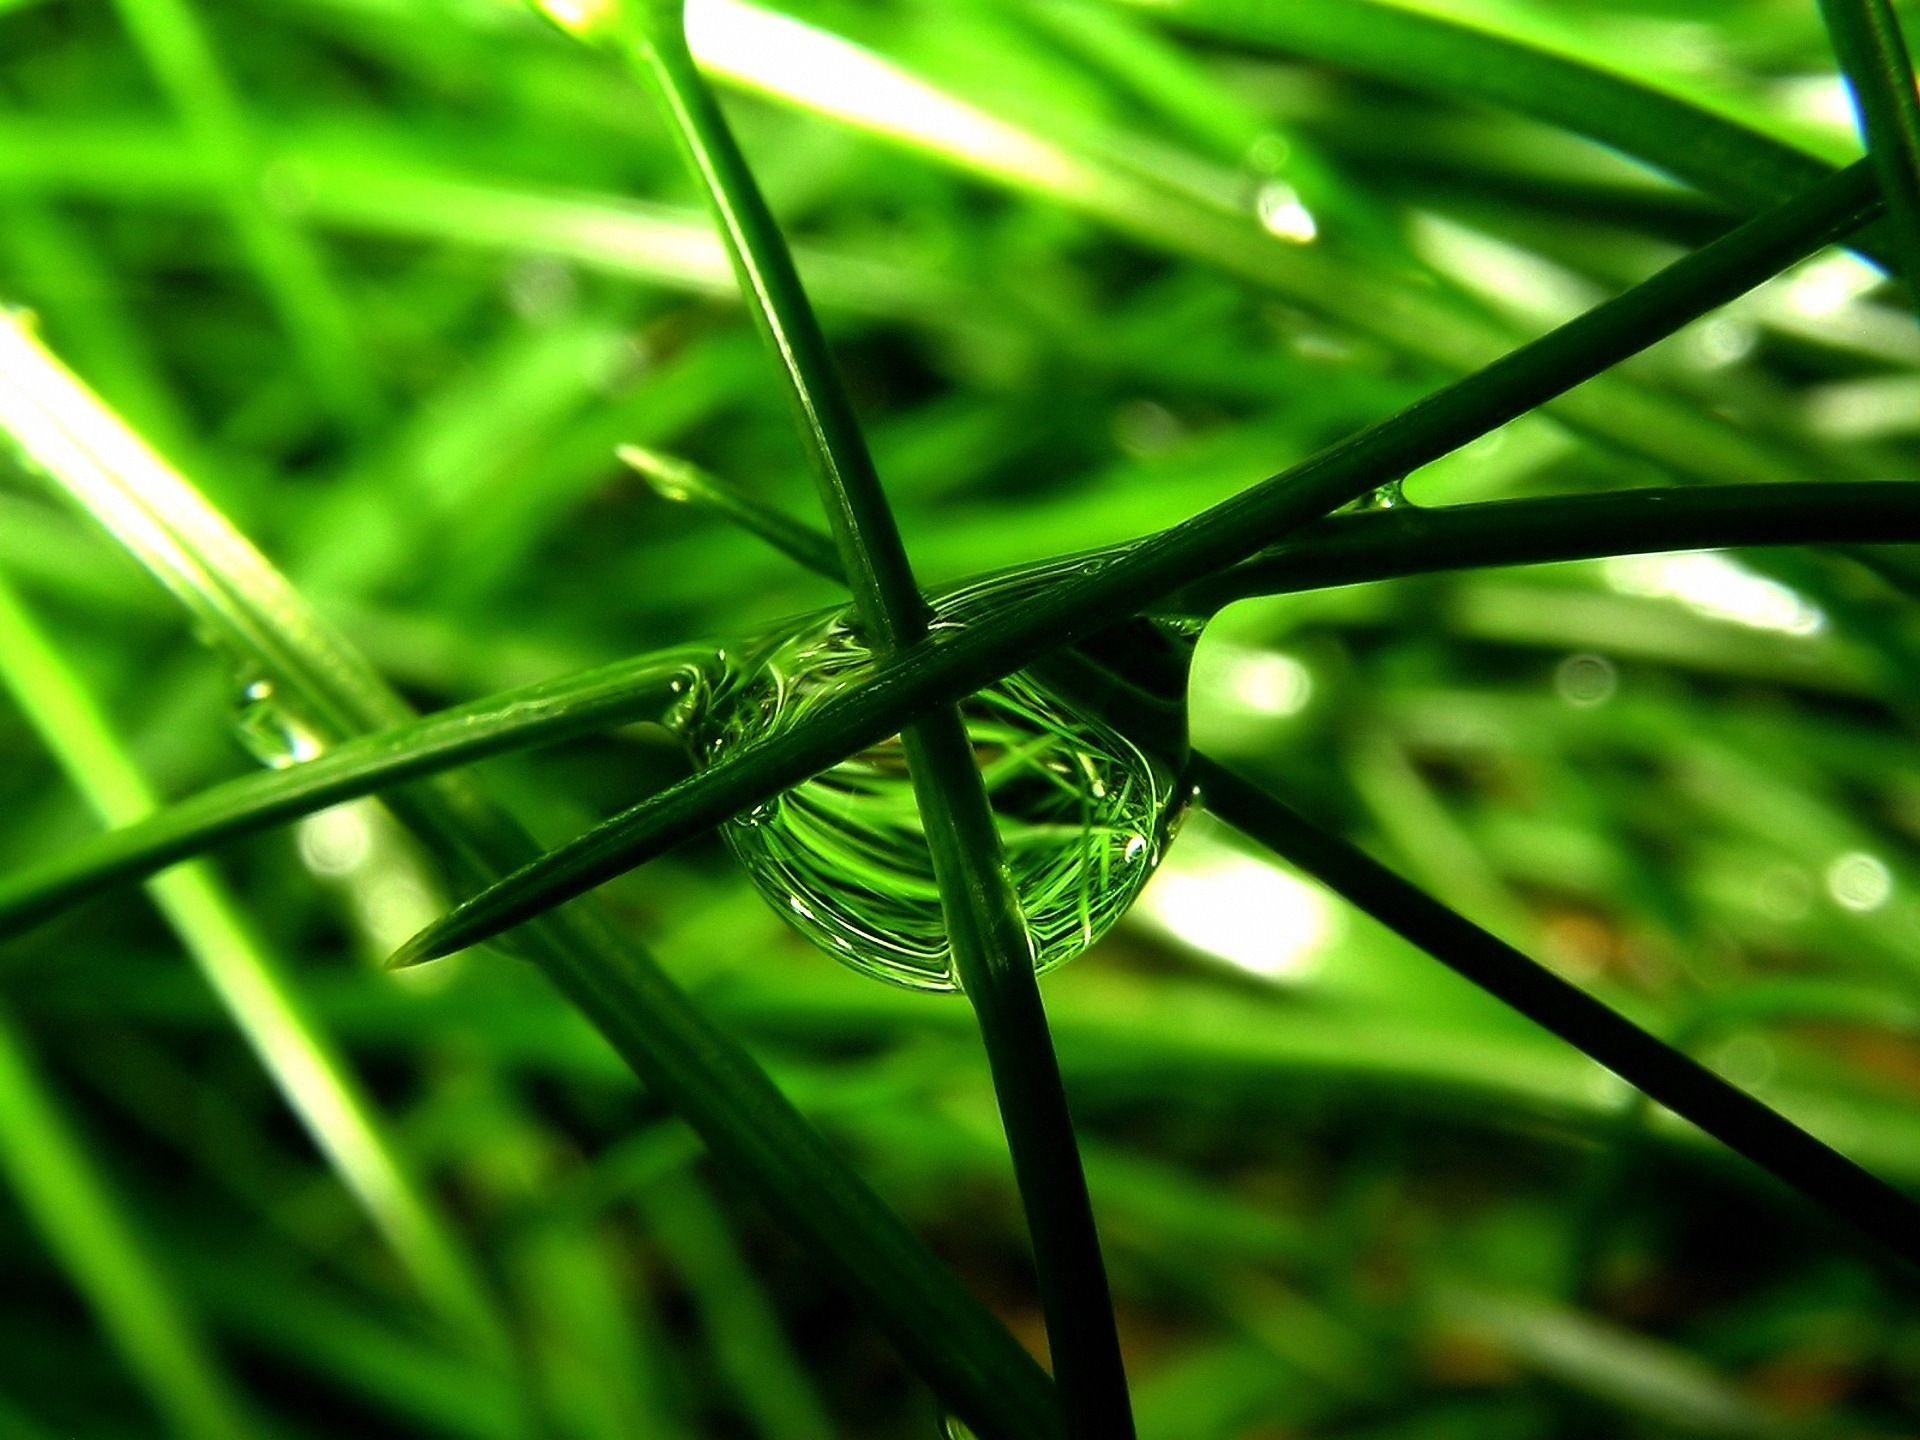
(265,1004)
(992,950)
(149,166)
(1873,54)
(177,49)
(1144,572)
(1667,1075)
(88,1230)
(250,609)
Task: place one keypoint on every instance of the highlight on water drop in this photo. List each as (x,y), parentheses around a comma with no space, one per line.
(1084,812)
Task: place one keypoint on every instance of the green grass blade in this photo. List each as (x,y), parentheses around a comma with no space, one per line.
(540,714)
(679,480)
(1342,550)
(823,74)
(1674,1079)
(1431,52)
(1873,54)
(230,588)
(181,56)
(991,946)
(266,1006)
(1353,549)
(84,1225)
(1149,569)
(741,1327)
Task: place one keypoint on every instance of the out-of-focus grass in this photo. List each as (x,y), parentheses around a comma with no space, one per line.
(1342,1192)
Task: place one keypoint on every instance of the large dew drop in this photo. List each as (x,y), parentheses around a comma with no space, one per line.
(1084,813)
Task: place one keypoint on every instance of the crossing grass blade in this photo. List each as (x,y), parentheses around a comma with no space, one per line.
(989,941)
(1223,536)
(256,615)
(1344,550)
(1685,1086)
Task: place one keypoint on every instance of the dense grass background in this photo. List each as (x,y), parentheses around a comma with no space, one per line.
(391,280)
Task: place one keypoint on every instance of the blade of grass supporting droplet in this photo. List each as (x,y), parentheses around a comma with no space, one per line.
(1124,582)
(249,609)
(991,947)
(264,1004)
(1665,1074)
(1873,54)
(1343,550)
(180,54)
(88,1230)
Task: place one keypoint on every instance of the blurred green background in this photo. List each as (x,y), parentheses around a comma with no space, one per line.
(390,279)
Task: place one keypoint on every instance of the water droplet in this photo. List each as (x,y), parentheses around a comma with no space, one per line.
(270,727)
(1390,496)
(1084,813)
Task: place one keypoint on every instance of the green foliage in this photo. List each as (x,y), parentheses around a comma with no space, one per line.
(397,289)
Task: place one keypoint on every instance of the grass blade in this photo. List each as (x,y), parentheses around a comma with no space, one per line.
(540,714)
(85,1227)
(991,947)
(701,1071)
(1149,569)
(1669,1076)
(1873,54)
(182,59)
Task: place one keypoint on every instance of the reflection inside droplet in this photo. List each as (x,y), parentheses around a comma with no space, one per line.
(1083,812)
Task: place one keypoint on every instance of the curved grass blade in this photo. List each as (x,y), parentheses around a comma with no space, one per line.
(84,1226)
(265,1004)
(1873,54)
(1341,550)
(675,479)
(991,947)
(1665,1074)
(702,1072)
(1123,584)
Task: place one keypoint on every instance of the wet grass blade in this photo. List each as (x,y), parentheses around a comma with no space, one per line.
(1342,550)
(1677,1081)
(87,1228)
(1135,578)
(254,614)
(1873,55)
(265,1004)
(991,947)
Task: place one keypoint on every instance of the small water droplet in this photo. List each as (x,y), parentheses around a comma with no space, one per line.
(270,727)
(1083,812)
(1390,496)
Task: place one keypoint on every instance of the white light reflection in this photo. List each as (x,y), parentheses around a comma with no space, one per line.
(1717,587)
(1214,898)
(1282,213)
